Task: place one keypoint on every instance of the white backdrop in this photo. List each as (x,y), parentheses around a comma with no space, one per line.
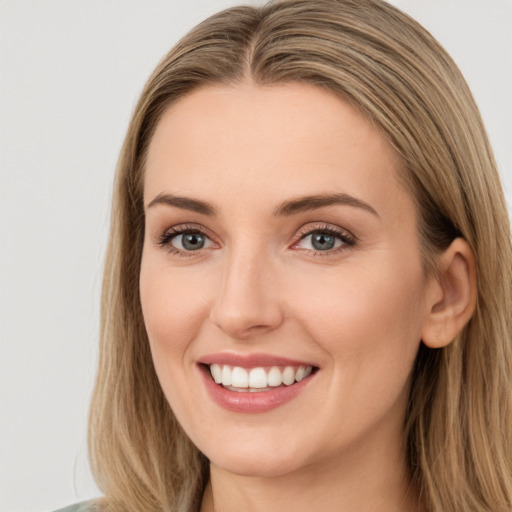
(71,71)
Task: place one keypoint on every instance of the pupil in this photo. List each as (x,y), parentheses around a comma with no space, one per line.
(323,242)
(193,242)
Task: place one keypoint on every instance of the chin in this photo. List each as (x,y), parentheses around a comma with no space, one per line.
(257,460)
(256,466)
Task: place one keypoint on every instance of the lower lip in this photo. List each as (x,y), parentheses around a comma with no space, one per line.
(247,402)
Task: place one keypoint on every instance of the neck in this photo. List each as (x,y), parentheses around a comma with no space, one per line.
(375,481)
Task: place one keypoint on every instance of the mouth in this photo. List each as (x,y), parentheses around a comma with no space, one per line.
(254,384)
(258,379)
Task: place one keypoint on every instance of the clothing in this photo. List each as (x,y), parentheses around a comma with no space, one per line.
(84,506)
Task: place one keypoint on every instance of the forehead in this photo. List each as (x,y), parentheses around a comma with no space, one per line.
(269,143)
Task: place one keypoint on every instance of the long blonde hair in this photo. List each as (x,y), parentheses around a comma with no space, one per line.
(459,417)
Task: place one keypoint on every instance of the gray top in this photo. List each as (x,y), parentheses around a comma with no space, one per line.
(85,506)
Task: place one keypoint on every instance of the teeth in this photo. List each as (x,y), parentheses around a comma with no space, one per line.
(239,377)
(300,373)
(274,377)
(216,373)
(303,372)
(226,376)
(258,378)
(288,376)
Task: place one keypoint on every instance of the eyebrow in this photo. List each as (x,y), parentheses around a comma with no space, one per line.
(307,203)
(285,209)
(184,203)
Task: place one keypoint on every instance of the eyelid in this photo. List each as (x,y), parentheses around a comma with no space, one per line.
(347,238)
(164,239)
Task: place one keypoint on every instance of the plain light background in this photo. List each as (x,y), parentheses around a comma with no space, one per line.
(71,71)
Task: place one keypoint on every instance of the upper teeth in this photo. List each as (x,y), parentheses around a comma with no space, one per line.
(238,377)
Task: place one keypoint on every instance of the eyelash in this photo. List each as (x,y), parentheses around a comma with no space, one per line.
(347,239)
(165,240)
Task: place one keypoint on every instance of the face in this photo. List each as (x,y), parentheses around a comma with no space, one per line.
(281,256)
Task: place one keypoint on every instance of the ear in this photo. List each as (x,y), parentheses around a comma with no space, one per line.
(453,297)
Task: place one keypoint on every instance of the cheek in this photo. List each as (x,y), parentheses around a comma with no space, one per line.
(369,326)
(173,306)
(170,302)
(367,319)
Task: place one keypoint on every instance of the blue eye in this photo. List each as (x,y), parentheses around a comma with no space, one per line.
(321,241)
(183,240)
(189,241)
(325,239)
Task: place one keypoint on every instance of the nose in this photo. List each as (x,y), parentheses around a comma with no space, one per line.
(248,302)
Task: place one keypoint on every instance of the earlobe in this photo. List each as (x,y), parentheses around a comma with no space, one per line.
(455,301)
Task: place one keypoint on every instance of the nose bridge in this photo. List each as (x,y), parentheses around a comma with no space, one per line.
(247,301)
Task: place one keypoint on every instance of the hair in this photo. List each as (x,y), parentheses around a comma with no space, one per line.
(386,65)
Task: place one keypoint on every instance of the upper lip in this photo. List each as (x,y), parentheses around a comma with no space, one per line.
(250,360)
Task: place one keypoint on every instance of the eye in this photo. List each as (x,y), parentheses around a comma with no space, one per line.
(189,241)
(183,239)
(324,239)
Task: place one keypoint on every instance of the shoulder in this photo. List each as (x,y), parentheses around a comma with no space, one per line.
(85,506)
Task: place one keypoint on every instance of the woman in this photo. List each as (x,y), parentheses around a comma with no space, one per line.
(306,301)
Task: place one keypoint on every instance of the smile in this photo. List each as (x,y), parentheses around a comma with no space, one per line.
(254,383)
(259,379)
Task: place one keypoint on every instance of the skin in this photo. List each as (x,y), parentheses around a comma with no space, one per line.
(357,312)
